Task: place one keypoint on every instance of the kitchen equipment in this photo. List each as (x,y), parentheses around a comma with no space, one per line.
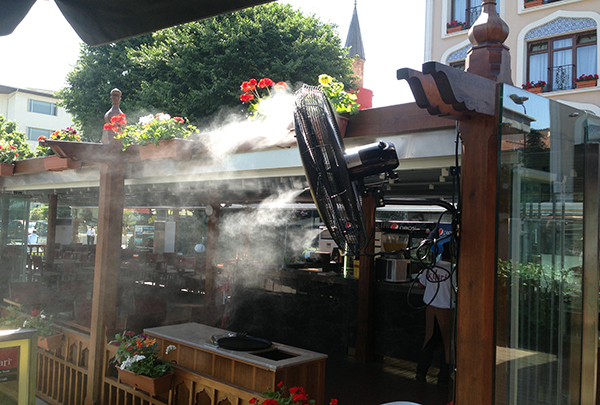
(393,270)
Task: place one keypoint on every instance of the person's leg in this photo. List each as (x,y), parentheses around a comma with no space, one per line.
(425,360)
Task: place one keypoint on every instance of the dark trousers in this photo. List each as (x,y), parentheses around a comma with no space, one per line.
(90,240)
(436,343)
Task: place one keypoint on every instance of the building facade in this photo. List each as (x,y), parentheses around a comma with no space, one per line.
(554,42)
(35,111)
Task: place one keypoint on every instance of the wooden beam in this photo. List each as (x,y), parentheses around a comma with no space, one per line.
(394,120)
(106,274)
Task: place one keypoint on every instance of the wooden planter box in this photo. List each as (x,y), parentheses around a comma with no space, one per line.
(6,169)
(153,386)
(342,123)
(50,342)
(46,163)
(455,29)
(586,83)
(533,3)
(170,149)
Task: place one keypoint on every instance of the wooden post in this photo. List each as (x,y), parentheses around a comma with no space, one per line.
(473,100)
(366,279)
(51,232)
(108,258)
(212,243)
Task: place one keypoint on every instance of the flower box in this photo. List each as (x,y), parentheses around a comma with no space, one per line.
(50,342)
(458,28)
(586,83)
(153,386)
(6,169)
(533,3)
(56,163)
(169,149)
(536,90)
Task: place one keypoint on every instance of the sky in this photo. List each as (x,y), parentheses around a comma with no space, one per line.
(44,47)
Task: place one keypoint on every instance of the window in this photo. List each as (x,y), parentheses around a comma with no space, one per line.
(558,61)
(42,107)
(34,133)
(467,11)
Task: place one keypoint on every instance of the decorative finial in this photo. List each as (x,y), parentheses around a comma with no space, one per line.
(489,57)
(115,95)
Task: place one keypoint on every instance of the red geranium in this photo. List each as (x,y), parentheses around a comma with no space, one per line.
(179,120)
(116,124)
(251,95)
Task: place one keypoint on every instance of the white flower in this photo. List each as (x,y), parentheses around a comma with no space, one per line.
(163,117)
(169,348)
(130,360)
(146,119)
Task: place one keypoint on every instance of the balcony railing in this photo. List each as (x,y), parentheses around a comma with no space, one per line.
(472,14)
(561,77)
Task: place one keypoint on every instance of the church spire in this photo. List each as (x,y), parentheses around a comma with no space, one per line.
(354,38)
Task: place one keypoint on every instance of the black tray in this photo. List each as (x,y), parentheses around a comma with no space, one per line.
(242,343)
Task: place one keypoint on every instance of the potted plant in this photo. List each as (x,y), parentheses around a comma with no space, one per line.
(159,136)
(51,161)
(140,365)
(454,26)
(534,87)
(343,102)
(282,396)
(48,339)
(587,81)
(8,155)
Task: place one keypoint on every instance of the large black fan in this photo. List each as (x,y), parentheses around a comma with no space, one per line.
(332,175)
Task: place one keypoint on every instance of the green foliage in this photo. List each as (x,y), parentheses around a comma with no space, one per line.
(67,134)
(342,101)
(9,134)
(41,322)
(151,129)
(39,213)
(139,354)
(195,69)
(12,319)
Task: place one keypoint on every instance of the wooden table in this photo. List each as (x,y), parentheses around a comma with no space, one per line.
(246,369)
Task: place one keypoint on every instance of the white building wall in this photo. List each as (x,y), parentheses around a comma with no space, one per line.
(14,106)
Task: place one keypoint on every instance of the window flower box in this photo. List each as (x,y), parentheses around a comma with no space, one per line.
(56,163)
(534,87)
(584,81)
(454,26)
(50,343)
(533,3)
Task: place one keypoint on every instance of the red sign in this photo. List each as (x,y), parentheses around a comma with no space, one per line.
(9,359)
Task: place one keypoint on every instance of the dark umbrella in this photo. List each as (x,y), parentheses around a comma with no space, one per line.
(100,22)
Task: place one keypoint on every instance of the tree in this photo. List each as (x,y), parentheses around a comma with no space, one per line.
(195,69)
(9,133)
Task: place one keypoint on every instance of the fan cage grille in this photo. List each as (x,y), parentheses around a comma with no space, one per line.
(321,150)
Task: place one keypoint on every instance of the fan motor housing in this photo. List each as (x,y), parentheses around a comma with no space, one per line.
(371,159)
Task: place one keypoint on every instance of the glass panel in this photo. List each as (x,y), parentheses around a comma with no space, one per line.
(14,211)
(459,8)
(540,251)
(586,60)
(562,43)
(538,67)
(42,107)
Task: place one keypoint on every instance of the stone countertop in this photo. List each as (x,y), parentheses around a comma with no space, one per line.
(198,335)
